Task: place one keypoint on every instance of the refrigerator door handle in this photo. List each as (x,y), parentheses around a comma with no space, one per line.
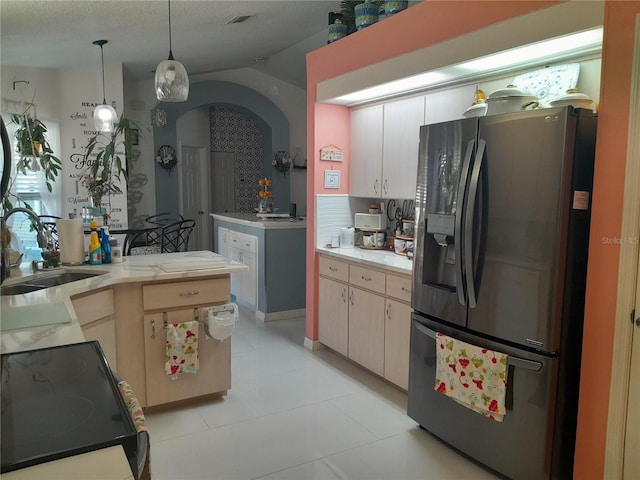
(516,362)
(468,224)
(458,235)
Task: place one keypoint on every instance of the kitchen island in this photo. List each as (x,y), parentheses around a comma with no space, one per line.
(274,251)
(124,306)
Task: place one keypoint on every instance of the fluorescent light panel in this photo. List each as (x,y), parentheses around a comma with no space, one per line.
(576,43)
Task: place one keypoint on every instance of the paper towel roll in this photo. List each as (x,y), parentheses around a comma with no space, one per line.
(71,240)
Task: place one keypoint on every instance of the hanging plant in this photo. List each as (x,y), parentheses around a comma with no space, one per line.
(107,167)
(34,149)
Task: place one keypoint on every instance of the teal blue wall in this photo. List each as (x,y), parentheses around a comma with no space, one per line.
(281,265)
(244,99)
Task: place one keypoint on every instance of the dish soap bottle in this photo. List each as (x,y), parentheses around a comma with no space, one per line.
(105,246)
(95,254)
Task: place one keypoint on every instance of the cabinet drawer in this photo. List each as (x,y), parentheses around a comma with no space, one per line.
(334,269)
(94,306)
(180,294)
(366,278)
(247,243)
(399,287)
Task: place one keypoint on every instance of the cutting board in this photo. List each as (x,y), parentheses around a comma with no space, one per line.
(190,266)
(15,318)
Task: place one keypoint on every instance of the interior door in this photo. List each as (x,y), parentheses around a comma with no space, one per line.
(195,195)
(632,435)
(222,178)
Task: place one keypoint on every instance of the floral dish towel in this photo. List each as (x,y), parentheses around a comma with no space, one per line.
(182,348)
(472,376)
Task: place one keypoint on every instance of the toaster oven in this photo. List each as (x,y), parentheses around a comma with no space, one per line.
(370,221)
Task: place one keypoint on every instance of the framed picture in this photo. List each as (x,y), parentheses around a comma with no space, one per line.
(332,179)
(135,136)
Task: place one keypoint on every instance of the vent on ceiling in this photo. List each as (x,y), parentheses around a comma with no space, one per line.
(238,19)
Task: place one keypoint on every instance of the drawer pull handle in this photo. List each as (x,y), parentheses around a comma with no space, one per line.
(351,297)
(389,311)
(366,279)
(333,269)
(344,294)
(406,290)
(189,294)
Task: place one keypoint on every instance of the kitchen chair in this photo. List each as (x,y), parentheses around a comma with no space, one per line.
(143,242)
(49,222)
(175,237)
(164,218)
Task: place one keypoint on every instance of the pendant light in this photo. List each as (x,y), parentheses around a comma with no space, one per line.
(172,82)
(104,116)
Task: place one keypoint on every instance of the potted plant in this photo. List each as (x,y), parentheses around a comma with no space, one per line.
(107,166)
(34,149)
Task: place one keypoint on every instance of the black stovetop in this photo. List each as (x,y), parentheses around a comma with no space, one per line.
(57,402)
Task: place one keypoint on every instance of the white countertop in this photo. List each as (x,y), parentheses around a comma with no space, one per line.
(374,258)
(136,268)
(251,220)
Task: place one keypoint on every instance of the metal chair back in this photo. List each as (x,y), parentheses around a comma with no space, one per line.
(165,218)
(175,237)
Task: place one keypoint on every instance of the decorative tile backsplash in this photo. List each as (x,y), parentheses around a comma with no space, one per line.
(334,212)
(232,131)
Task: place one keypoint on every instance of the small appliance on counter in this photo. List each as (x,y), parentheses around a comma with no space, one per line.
(347,236)
(370,221)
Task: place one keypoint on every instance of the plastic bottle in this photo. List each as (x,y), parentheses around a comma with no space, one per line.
(106,246)
(95,253)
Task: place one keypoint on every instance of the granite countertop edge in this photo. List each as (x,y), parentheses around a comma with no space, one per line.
(383,259)
(138,268)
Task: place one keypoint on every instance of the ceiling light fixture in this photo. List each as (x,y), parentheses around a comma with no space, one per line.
(104,116)
(172,82)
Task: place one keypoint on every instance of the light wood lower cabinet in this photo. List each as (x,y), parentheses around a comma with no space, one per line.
(214,372)
(333,309)
(140,311)
(365,315)
(366,329)
(95,315)
(397,330)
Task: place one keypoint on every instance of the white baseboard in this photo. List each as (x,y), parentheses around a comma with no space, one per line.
(282,315)
(313,344)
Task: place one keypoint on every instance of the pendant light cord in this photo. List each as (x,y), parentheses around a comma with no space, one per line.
(104,96)
(170,51)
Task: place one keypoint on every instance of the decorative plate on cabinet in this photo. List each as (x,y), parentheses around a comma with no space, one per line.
(550,82)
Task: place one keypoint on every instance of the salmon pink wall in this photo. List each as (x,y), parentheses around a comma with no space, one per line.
(424,24)
(606,222)
(326,125)
(431,22)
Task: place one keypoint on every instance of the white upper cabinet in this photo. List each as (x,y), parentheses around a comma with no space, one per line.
(384,149)
(365,168)
(402,121)
(449,104)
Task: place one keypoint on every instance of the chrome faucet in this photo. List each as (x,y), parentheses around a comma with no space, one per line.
(4,248)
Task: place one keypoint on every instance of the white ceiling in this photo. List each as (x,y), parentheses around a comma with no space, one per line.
(59,34)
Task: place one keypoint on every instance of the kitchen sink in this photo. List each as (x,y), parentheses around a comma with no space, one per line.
(19,288)
(61,278)
(48,281)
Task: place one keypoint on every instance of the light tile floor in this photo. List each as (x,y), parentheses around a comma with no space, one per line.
(296,414)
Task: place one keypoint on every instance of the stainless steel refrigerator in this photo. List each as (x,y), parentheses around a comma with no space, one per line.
(503,205)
